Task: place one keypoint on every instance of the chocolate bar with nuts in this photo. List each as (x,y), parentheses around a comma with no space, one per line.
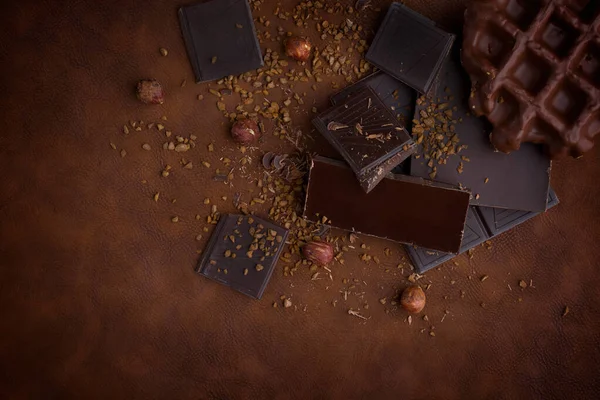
(242,253)
(369,137)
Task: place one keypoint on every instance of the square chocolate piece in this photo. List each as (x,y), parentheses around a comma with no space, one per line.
(397,96)
(364,131)
(220,38)
(242,253)
(401,208)
(409,47)
(483,223)
(516,181)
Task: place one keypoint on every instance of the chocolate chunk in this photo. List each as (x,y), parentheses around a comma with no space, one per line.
(242,253)
(401,208)
(397,96)
(220,38)
(483,223)
(519,180)
(363,130)
(409,47)
(535,68)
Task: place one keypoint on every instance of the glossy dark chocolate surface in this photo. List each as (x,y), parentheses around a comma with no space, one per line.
(483,223)
(402,208)
(238,269)
(220,38)
(409,47)
(519,180)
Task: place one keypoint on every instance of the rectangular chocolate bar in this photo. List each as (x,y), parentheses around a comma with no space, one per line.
(220,38)
(398,97)
(401,208)
(409,47)
(242,253)
(517,181)
(364,131)
(483,223)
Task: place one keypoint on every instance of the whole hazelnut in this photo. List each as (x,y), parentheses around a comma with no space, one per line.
(149,91)
(413,299)
(320,253)
(298,48)
(245,131)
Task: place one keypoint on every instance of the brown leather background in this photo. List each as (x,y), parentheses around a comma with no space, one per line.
(98,297)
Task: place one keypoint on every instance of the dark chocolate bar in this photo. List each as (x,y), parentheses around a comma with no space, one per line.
(220,38)
(518,181)
(397,96)
(483,223)
(242,253)
(364,131)
(409,47)
(401,208)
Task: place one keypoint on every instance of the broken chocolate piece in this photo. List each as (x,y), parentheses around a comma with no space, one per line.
(242,253)
(401,208)
(409,47)
(398,97)
(367,135)
(220,38)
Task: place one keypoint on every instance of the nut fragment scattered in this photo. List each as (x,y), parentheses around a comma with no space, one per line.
(163,51)
(149,91)
(245,131)
(413,299)
(298,48)
(320,253)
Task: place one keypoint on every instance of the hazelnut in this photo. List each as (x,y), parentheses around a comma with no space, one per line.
(245,131)
(149,91)
(413,299)
(298,48)
(320,253)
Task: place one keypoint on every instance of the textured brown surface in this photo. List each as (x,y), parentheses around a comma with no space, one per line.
(98,295)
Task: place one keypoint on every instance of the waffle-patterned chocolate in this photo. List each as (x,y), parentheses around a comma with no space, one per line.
(535,71)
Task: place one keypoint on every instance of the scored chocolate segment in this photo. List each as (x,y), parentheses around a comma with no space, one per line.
(409,47)
(400,208)
(242,253)
(483,223)
(363,130)
(534,65)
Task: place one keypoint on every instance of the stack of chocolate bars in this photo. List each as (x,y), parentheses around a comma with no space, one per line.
(419,166)
(453,191)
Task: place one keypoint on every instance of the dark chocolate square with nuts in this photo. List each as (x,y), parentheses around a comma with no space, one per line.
(369,137)
(242,253)
(220,38)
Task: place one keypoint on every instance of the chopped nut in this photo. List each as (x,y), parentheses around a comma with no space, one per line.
(522,284)
(163,51)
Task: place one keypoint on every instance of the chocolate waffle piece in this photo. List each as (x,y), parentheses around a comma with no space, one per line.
(535,71)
